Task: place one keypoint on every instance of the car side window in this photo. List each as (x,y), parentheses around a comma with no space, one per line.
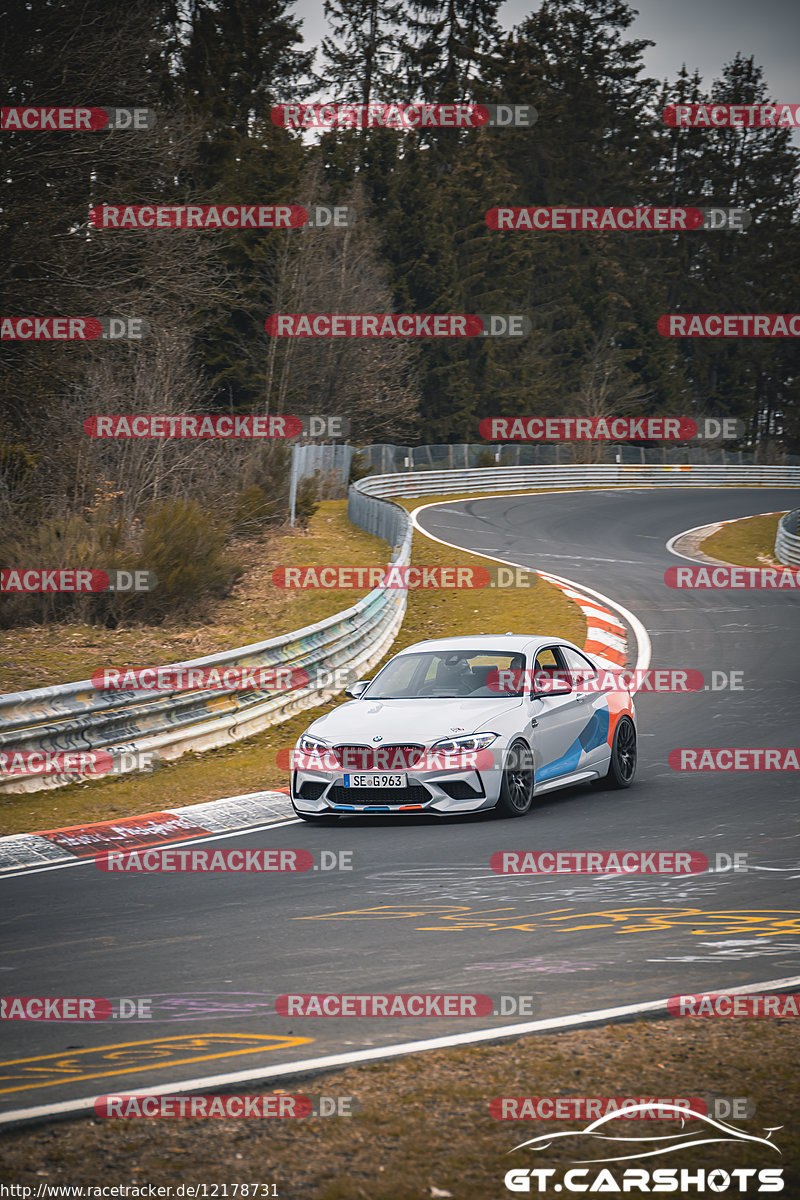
(578,666)
(547,664)
(546,660)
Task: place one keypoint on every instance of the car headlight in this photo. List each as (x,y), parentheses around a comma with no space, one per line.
(472,741)
(310,744)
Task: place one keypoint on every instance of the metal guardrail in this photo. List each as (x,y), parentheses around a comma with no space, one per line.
(787,540)
(78,716)
(502,479)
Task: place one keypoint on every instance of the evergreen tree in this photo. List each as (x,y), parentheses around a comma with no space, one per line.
(359,59)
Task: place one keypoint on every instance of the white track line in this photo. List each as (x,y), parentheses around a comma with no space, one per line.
(14,872)
(644,649)
(350,1058)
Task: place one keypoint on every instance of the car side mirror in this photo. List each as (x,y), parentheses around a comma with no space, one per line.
(355,690)
(551,683)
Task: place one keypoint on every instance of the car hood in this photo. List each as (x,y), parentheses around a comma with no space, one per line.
(417,721)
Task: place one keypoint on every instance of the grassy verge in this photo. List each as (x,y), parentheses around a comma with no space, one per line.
(250,765)
(749,542)
(423,1122)
(39,656)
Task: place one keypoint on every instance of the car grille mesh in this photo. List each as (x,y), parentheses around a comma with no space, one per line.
(396,757)
(459,789)
(312,789)
(415,794)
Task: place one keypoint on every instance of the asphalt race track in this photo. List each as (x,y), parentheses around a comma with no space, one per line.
(421,910)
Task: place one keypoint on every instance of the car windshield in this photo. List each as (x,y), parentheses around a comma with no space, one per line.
(448,673)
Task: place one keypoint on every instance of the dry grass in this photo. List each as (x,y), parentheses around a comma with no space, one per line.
(748,542)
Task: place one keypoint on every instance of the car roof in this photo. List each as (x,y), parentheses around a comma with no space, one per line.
(515,643)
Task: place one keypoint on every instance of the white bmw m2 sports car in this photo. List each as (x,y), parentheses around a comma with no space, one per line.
(462,724)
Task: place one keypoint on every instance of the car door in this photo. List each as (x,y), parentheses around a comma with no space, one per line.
(559,717)
(596,711)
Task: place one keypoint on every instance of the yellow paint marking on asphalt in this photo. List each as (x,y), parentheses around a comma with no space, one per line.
(127,1057)
(762,923)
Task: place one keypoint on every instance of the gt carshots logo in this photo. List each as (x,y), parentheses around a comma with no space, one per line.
(682,1180)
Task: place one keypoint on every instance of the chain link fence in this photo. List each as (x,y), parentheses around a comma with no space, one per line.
(386,459)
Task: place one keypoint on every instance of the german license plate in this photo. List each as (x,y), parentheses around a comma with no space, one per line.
(395,780)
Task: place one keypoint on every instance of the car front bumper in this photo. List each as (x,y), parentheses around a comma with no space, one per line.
(319,793)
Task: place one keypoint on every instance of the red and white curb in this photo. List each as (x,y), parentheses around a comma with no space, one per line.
(606,638)
(213,820)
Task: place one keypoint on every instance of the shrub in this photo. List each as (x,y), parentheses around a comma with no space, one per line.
(185,547)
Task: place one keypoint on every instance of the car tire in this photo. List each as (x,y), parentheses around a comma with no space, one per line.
(516,789)
(622,765)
